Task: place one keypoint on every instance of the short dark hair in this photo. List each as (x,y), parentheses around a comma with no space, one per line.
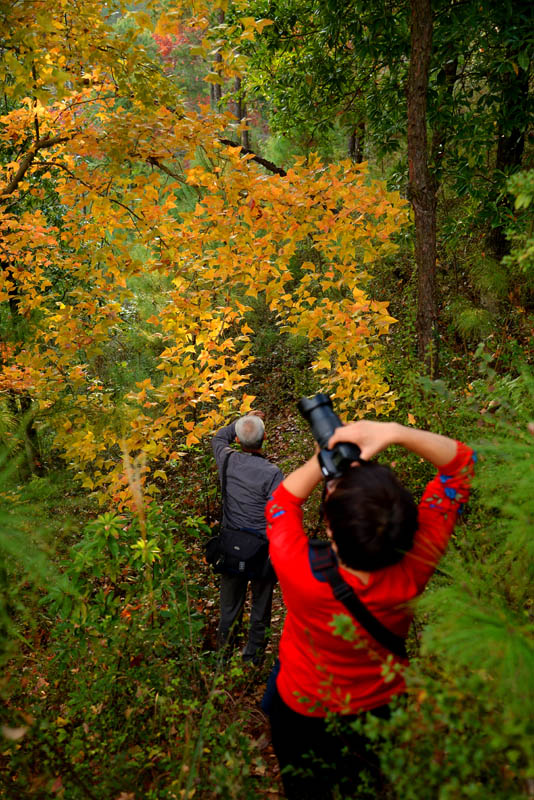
(373,518)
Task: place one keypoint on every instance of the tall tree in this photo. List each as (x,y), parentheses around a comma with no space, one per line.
(422,187)
(324,63)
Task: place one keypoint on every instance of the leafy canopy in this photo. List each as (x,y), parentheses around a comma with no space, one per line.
(106,176)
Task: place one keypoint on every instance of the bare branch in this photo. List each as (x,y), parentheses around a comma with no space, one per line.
(154,160)
(82,103)
(263,161)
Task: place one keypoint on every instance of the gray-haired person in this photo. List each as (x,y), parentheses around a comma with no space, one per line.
(250,481)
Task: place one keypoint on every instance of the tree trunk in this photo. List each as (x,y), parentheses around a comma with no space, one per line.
(422,190)
(240,111)
(31,442)
(216,88)
(21,403)
(356,140)
(238,105)
(245,135)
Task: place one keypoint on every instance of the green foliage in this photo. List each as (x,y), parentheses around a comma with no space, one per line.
(120,694)
(453,741)
(472,322)
(521,234)
(25,551)
(315,66)
(7,425)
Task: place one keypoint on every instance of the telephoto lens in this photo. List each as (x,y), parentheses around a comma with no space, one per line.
(320,415)
(323,421)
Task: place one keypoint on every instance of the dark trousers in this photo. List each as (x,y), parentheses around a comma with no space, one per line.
(315,759)
(232,598)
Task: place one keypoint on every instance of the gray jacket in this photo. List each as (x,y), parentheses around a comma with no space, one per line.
(250,481)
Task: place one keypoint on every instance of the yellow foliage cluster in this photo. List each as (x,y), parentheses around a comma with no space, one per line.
(116,157)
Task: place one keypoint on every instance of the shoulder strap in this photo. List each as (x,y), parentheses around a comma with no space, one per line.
(223,481)
(223,474)
(324,562)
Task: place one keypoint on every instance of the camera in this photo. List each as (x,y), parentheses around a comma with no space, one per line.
(323,421)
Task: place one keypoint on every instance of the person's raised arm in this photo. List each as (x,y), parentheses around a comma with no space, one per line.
(373,437)
(221,441)
(303,480)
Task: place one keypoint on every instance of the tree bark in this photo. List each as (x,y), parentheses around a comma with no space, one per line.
(356,140)
(216,88)
(422,189)
(238,104)
(241,112)
(21,403)
(245,134)
(263,161)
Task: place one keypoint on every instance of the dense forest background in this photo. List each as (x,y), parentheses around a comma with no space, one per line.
(207,207)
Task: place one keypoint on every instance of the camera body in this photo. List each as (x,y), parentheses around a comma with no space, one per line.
(323,420)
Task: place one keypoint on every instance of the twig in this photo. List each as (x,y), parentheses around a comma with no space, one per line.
(88,186)
(155,162)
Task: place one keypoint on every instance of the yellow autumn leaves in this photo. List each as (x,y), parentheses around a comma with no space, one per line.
(137,187)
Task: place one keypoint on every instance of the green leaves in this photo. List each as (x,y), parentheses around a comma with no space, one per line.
(147,550)
(343,626)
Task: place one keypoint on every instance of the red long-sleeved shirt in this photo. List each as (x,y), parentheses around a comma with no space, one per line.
(320,671)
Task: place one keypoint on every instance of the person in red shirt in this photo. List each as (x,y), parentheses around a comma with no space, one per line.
(387,549)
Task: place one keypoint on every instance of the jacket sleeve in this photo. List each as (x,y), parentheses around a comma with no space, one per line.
(442,502)
(222,441)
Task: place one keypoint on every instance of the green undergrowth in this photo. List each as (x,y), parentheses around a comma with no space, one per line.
(113,691)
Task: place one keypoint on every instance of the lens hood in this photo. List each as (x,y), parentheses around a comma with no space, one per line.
(307,404)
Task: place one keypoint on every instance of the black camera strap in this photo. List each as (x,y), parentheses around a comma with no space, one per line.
(223,482)
(324,563)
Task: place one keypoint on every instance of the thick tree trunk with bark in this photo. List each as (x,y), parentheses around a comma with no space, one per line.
(422,188)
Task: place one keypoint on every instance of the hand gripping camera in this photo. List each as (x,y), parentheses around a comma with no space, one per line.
(323,421)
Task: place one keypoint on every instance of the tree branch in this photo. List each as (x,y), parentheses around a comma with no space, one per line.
(40,144)
(155,162)
(263,161)
(88,185)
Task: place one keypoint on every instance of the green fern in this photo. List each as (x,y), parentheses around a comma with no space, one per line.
(471,322)
(481,618)
(7,425)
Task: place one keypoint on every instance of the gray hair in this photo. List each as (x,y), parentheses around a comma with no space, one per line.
(250,431)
